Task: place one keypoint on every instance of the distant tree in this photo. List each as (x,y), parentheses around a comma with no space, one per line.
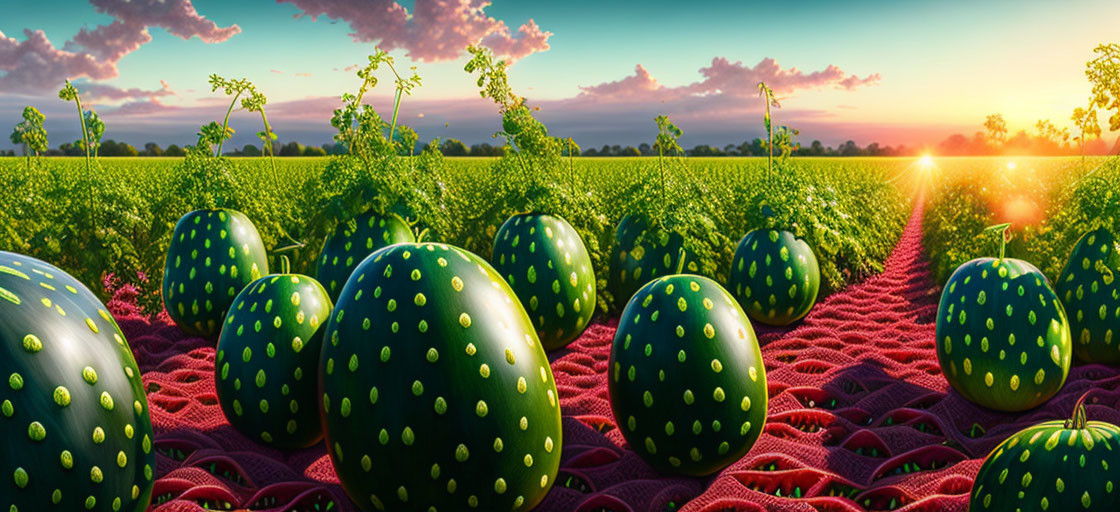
(485,149)
(816,148)
(152,149)
(250,150)
(114,148)
(849,148)
(590,152)
(729,150)
(646,149)
(292,148)
(996,129)
(453,147)
(313,151)
(174,150)
(629,151)
(704,150)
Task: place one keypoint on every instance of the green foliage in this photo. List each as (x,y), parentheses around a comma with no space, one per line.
(972,194)
(843,208)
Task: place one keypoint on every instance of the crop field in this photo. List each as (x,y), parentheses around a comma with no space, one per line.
(383,323)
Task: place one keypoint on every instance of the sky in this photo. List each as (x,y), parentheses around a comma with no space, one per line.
(889,71)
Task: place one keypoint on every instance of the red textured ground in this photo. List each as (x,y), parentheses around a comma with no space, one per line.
(860,419)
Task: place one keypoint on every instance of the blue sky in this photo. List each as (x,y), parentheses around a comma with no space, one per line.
(941,66)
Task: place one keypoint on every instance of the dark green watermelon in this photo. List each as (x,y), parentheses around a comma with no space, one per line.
(1002,336)
(636,262)
(1090,293)
(1056,466)
(686,378)
(213,255)
(775,276)
(544,260)
(73,414)
(354,240)
(268,360)
(437,394)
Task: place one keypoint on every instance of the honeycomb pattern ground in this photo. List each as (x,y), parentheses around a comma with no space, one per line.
(860,419)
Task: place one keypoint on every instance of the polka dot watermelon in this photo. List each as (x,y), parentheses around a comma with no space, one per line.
(213,255)
(686,378)
(73,414)
(1090,291)
(547,266)
(1054,466)
(437,394)
(1003,340)
(268,360)
(352,241)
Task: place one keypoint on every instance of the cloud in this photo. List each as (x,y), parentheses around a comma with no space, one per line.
(141,108)
(112,93)
(639,86)
(723,78)
(435,30)
(277,71)
(35,63)
(304,75)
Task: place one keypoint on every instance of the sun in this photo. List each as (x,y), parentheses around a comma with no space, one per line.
(925,161)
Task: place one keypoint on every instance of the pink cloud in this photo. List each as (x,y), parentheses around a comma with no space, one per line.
(639,86)
(112,93)
(36,64)
(277,71)
(303,74)
(142,108)
(724,78)
(435,30)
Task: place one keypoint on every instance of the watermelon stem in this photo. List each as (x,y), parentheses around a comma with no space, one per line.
(680,260)
(285,265)
(1004,236)
(1078,420)
(421,236)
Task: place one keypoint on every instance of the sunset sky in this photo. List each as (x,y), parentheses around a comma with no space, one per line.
(891,71)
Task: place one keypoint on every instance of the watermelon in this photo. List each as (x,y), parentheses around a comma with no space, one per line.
(1003,340)
(352,241)
(640,255)
(1052,466)
(775,276)
(436,392)
(268,360)
(686,378)
(213,255)
(547,266)
(73,414)
(1090,293)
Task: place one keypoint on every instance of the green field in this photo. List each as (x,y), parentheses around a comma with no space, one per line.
(851,210)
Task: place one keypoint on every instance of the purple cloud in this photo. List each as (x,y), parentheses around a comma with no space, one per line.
(35,63)
(435,30)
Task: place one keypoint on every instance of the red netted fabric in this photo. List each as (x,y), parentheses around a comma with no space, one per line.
(860,418)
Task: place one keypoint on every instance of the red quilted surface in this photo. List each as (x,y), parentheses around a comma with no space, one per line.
(860,419)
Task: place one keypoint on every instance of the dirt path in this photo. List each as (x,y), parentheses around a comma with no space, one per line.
(859,419)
